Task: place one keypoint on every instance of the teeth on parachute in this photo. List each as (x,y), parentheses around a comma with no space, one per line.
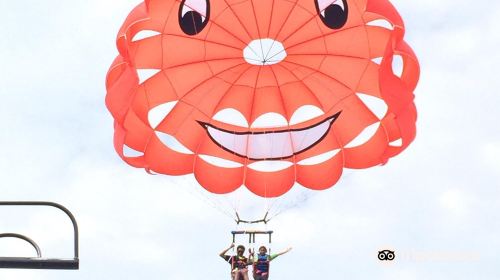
(145,74)
(302,139)
(270,165)
(396,143)
(376,105)
(270,145)
(172,143)
(159,113)
(220,162)
(270,120)
(129,152)
(231,116)
(305,113)
(397,65)
(381,23)
(377,60)
(234,142)
(143,34)
(319,158)
(364,136)
(323,13)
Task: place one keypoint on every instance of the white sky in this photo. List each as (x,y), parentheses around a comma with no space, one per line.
(433,204)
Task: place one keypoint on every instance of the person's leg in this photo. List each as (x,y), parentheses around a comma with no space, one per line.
(241,276)
(244,273)
(263,276)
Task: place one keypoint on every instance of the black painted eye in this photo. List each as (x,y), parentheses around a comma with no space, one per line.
(333,13)
(193,16)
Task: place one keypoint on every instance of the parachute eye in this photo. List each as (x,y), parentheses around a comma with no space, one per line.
(193,16)
(333,13)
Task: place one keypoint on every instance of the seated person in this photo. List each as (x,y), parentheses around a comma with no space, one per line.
(239,263)
(261,265)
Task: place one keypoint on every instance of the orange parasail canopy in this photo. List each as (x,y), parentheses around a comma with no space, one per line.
(262,93)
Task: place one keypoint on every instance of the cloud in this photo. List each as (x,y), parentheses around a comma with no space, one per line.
(491,155)
(57,145)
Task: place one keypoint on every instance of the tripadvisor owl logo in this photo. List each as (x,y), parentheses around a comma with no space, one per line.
(386,255)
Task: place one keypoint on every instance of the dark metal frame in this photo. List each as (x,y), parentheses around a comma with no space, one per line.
(251,234)
(25,238)
(264,220)
(39,262)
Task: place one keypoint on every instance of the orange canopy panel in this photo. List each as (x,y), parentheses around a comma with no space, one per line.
(262,93)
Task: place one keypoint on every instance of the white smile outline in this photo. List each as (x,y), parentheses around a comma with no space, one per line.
(330,119)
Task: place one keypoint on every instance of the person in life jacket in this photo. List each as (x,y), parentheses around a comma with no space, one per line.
(261,264)
(239,263)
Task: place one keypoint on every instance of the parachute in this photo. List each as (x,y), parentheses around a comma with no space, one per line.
(262,94)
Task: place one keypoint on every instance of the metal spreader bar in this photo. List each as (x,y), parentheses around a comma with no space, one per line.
(264,220)
(251,234)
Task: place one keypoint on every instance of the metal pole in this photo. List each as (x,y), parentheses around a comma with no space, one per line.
(55,205)
(25,238)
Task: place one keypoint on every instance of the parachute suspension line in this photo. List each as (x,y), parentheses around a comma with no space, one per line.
(294,204)
(266,183)
(278,201)
(282,207)
(198,194)
(230,203)
(267,204)
(238,200)
(275,206)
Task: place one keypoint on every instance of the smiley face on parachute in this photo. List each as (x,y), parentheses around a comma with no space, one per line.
(262,93)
